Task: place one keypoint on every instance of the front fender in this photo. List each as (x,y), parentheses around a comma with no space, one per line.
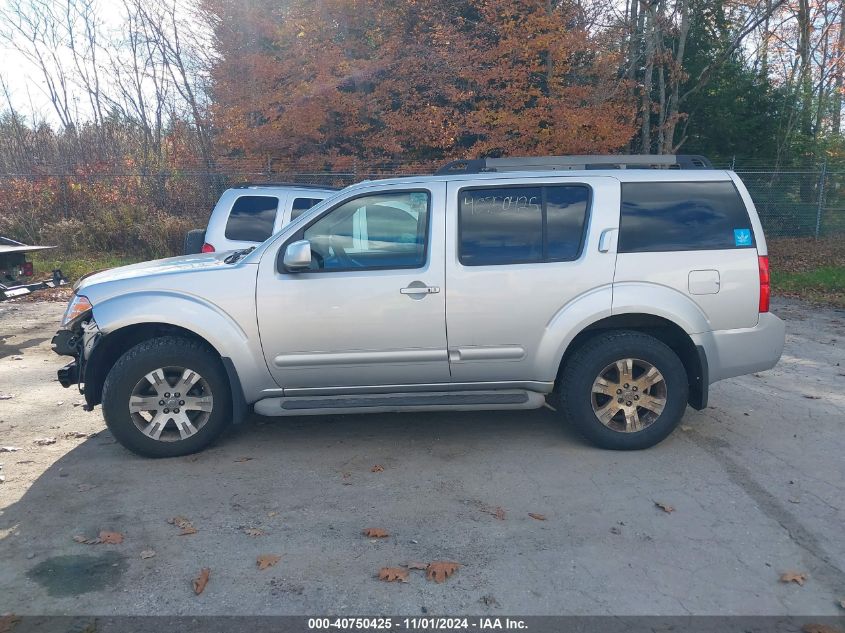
(220,328)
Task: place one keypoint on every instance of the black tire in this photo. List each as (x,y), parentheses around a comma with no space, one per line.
(194,241)
(588,362)
(146,357)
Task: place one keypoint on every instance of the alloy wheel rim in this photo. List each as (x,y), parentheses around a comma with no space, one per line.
(628,395)
(171,404)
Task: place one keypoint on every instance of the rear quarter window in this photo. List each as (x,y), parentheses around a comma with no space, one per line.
(252,218)
(683,216)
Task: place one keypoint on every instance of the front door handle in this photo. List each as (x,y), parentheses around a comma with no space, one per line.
(420,290)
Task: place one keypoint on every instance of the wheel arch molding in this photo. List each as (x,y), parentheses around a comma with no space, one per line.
(122,325)
(692,356)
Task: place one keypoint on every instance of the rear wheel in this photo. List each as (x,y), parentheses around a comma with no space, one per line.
(624,390)
(166,397)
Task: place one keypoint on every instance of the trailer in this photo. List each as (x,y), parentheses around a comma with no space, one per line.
(16,272)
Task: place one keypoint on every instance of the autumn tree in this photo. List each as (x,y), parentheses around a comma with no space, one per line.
(372,82)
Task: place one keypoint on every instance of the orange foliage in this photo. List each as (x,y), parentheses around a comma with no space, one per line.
(329,84)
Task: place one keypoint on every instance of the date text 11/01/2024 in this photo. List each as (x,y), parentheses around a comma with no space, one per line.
(417,623)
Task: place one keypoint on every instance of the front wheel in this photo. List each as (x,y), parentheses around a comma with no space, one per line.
(624,390)
(166,397)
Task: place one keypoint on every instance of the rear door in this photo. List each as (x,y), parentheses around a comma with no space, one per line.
(520,252)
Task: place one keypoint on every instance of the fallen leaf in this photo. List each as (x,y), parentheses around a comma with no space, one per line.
(183,524)
(376,533)
(816,627)
(111,538)
(794,576)
(415,565)
(8,622)
(9,449)
(253,532)
(539,517)
(440,570)
(201,581)
(75,435)
(44,441)
(393,574)
(665,507)
(499,513)
(148,553)
(378,468)
(267,560)
(240,460)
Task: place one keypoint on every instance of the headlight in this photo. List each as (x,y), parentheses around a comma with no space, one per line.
(77,307)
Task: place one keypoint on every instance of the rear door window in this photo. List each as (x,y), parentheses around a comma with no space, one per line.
(252,218)
(301,205)
(682,216)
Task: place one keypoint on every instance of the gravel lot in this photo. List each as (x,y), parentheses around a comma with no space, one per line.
(757,483)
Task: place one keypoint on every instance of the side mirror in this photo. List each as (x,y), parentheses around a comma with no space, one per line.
(297,256)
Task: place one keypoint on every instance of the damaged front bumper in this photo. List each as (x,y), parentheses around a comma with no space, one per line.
(77,340)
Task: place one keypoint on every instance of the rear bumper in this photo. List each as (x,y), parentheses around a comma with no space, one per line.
(743,351)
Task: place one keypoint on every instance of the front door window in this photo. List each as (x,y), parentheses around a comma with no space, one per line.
(376,232)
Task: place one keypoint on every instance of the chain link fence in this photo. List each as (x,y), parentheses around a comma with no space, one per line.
(111,212)
(809,203)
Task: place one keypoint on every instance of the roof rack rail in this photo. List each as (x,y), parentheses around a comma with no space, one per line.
(248,185)
(554,163)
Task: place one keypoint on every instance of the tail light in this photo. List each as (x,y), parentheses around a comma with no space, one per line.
(207,248)
(765,286)
(26,269)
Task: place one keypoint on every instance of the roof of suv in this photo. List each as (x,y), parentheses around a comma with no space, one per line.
(283,185)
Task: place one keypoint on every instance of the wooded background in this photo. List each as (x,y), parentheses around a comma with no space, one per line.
(151,107)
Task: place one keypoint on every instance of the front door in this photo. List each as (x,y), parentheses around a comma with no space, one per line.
(371,309)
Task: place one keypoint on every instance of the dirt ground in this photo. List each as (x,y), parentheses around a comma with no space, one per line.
(757,483)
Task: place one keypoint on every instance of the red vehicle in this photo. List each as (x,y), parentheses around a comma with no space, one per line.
(16,273)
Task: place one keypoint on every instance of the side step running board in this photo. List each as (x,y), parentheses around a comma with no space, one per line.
(410,401)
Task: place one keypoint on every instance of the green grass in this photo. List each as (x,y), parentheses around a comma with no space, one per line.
(825,284)
(75,266)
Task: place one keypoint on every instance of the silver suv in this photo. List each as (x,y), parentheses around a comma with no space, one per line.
(616,294)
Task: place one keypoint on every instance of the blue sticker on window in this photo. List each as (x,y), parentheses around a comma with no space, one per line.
(742,237)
